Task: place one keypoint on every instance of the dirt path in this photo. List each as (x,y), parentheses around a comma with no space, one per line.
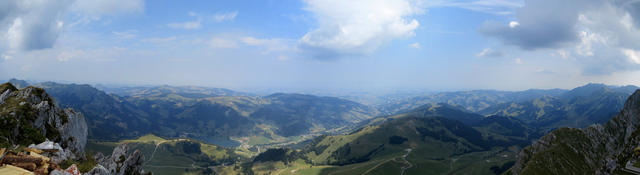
(154,151)
(377,165)
(404,158)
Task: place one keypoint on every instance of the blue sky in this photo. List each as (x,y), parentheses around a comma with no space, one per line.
(323,44)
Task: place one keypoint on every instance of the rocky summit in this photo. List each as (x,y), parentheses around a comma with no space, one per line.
(39,137)
(31,116)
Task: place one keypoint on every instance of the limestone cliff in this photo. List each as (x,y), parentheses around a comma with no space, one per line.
(30,116)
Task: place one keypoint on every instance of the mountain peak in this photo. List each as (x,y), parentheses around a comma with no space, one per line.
(7,86)
(18,83)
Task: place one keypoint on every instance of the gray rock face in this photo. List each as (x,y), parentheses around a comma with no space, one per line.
(74,132)
(98,170)
(600,149)
(38,109)
(120,162)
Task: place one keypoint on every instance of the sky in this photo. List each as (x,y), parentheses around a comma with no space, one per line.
(324,44)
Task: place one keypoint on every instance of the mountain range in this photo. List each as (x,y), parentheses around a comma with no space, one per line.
(465,132)
(579,107)
(181,112)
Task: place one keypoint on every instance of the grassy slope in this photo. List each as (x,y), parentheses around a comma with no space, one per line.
(166,160)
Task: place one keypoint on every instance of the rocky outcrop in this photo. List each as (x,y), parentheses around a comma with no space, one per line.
(74,132)
(598,149)
(98,170)
(30,116)
(120,162)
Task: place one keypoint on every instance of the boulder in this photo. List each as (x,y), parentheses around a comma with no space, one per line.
(121,162)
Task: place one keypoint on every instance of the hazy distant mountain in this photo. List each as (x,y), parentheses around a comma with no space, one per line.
(19,83)
(598,149)
(475,100)
(580,107)
(178,111)
(164,91)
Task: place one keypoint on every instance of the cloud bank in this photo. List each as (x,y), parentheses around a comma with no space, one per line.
(357,26)
(36,24)
(601,35)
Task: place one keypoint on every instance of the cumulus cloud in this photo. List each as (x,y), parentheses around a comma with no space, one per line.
(357,26)
(31,25)
(540,24)
(488,52)
(600,35)
(35,24)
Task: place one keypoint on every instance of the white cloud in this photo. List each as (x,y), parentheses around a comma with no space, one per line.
(632,55)
(129,34)
(518,61)
(189,25)
(544,71)
(268,45)
(488,52)
(99,55)
(226,43)
(600,36)
(32,25)
(108,7)
(283,58)
(514,24)
(587,39)
(563,54)
(37,24)
(6,57)
(415,45)
(160,40)
(358,26)
(198,22)
(221,17)
(498,7)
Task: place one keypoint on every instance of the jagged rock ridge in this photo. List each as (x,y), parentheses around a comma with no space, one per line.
(598,149)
